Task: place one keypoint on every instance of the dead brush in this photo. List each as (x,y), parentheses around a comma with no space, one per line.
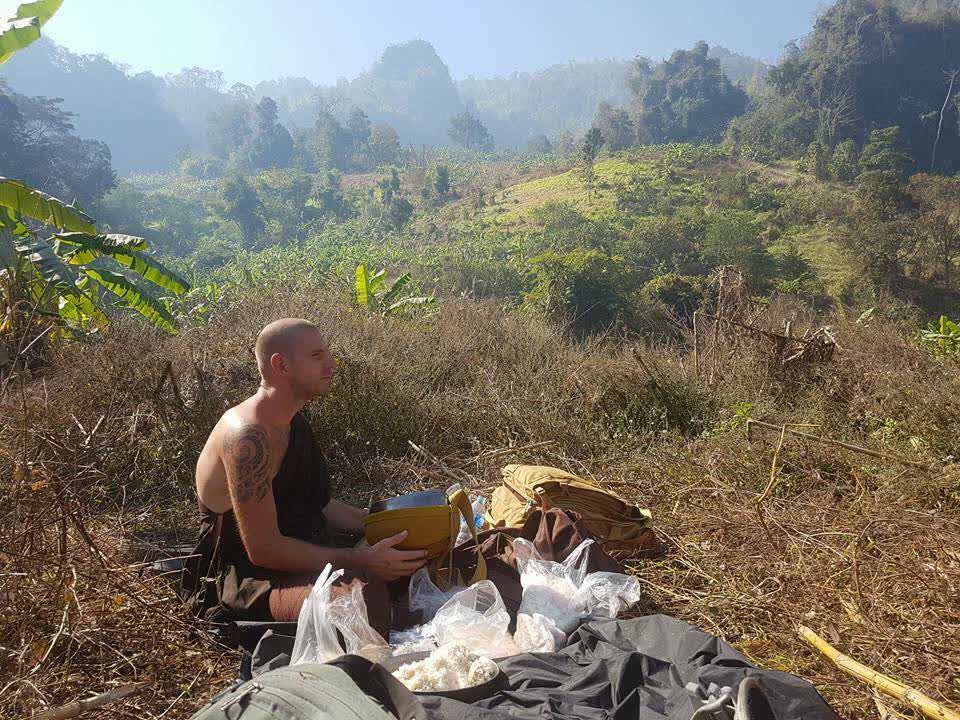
(97,455)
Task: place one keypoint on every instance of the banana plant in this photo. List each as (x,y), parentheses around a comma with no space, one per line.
(24,27)
(373,292)
(945,335)
(76,273)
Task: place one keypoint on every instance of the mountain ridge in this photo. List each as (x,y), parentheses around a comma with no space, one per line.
(409,87)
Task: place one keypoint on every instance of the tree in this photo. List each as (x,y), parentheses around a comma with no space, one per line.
(327,201)
(938,224)
(229,129)
(843,164)
(468,132)
(376,294)
(242,205)
(589,149)
(539,145)
(686,99)
(733,238)
(871,64)
(332,142)
(587,288)
(77,275)
(271,145)
(394,208)
(359,130)
(441,181)
(39,141)
(283,194)
(383,147)
(615,126)
(881,235)
(882,152)
(681,294)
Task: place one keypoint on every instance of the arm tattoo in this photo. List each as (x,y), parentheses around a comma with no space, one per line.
(247,450)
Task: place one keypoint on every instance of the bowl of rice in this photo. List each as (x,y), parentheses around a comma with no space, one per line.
(452,671)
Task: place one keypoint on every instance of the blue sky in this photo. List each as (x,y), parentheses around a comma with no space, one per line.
(323,40)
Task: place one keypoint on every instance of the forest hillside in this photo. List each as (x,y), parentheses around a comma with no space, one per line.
(725,290)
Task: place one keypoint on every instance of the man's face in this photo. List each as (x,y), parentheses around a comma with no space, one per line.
(311,365)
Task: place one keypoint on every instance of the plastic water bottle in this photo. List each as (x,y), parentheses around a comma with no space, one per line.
(479,507)
(479,511)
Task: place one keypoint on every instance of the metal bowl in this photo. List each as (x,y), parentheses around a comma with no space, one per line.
(465,695)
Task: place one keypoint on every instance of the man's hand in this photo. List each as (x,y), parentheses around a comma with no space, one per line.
(388,563)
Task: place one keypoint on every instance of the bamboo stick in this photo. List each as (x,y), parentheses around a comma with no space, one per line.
(78,707)
(914,698)
(696,342)
(836,443)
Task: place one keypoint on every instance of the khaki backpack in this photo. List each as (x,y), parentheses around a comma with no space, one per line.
(614,522)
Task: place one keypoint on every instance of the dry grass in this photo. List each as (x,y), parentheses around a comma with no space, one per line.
(863,551)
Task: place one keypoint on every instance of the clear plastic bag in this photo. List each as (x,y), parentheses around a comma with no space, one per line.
(321,618)
(538,633)
(477,618)
(552,589)
(426,597)
(606,594)
(557,595)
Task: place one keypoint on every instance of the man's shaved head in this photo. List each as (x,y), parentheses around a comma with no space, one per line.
(283,337)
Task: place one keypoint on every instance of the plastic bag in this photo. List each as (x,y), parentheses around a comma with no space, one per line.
(552,589)
(413,640)
(556,595)
(477,618)
(426,597)
(538,633)
(606,594)
(321,618)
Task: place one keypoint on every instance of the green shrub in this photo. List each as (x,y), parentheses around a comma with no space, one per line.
(589,288)
(733,238)
(843,164)
(681,294)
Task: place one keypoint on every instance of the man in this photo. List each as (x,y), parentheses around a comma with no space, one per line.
(269,524)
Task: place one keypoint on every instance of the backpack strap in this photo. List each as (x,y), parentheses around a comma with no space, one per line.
(380,684)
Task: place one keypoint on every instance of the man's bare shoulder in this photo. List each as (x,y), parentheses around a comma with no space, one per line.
(238,446)
(233,421)
(246,452)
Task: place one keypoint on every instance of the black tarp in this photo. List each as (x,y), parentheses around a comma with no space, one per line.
(638,669)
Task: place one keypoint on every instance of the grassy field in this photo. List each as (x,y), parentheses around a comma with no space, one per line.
(514,205)
(101,444)
(99,437)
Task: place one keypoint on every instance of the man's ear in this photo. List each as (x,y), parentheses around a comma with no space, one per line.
(278,363)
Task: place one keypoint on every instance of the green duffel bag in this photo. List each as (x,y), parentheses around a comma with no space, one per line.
(349,688)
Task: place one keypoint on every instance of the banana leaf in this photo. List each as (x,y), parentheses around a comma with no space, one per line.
(376,279)
(43,10)
(408,302)
(125,249)
(134,297)
(24,27)
(49,265)
(79,308)
(13,223)
(363,286)
(62,279)
(24,200)
(394,292)
(104,244)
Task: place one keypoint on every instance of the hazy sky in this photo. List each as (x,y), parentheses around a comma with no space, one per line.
(251,40)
